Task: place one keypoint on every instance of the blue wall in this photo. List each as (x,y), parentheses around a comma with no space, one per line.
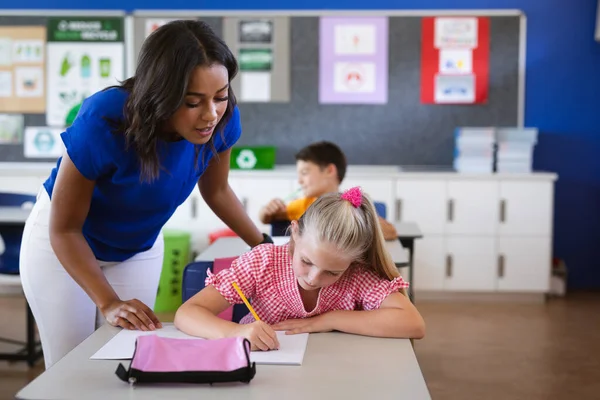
(562,100)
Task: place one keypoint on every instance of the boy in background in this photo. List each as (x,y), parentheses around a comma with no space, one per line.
(321,168)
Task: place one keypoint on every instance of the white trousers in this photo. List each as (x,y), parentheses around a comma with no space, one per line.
(64,313)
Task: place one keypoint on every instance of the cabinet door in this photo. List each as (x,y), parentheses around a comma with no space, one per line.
(470,264)
(526,208)
(380,190)
(423,202)
(254,193)
(524,264)
(430,258)
(472,207)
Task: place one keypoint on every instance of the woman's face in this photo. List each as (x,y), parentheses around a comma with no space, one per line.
(204,104)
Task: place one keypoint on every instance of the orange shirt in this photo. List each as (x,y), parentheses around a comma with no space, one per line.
(296,208)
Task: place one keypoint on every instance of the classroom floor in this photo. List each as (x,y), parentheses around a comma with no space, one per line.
(472,351)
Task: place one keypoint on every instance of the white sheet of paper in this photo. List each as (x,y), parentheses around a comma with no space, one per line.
(454,89)
(29,81)
(460,32)
(354,77)
(42,142)
(456,61)
(5,51)
(122,346)
(255,86)
(6,86)
(355,39)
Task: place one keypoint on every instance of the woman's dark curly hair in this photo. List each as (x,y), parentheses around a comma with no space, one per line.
(165,63)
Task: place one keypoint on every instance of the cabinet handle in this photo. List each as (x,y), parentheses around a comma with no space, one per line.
(245,203)
(502,210)
(450,210)
(501,266)
(194,205)
(449,266)
(399,210)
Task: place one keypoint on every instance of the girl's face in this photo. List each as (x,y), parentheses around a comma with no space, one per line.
(204,104)
(316,265)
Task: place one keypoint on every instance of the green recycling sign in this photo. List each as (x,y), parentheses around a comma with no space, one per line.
(252,157)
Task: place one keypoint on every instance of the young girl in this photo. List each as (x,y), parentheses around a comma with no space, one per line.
(334,274)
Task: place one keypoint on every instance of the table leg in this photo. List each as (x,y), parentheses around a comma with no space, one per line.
(409,243)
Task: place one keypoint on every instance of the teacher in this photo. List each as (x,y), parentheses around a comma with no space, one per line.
(92,247)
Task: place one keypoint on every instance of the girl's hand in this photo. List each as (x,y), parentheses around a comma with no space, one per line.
(320,323)
(261,336)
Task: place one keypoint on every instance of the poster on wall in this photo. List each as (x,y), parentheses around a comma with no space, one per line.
(85,55)
(22,59)
(262,47)
(11,128)
(42,142)
(255,74)
(455,60)
(353,60)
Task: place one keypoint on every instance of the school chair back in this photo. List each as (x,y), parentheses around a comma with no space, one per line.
(280,228)
(194,276)
(12,234)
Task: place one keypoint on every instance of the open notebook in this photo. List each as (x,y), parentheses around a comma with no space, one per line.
(122,345)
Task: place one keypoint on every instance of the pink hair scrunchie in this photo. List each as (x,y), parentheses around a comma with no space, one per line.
(354,196)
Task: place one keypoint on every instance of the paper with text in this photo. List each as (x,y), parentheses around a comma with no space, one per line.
(122,345)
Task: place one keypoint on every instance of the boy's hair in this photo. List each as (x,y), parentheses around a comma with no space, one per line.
(324,153)
(352,230)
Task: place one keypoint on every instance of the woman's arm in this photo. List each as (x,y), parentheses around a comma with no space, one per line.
(220,198)
(397,318)
(71,199)
(198,317)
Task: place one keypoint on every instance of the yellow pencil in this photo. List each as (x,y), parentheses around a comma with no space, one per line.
(245,300)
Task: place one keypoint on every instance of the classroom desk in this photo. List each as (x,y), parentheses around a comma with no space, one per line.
(336,366)
(235,246)
(31,350)
(407,233)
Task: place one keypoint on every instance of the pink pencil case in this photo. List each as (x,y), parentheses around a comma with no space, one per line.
(157,359)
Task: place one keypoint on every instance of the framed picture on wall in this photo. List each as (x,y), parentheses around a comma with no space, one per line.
(256,31)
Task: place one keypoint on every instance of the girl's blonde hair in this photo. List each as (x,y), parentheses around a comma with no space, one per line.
(352,230)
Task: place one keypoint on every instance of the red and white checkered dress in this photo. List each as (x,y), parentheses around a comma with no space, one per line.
(265,276)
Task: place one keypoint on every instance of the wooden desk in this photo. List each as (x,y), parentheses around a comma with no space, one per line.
(234,246)
(407,233)
(336,366)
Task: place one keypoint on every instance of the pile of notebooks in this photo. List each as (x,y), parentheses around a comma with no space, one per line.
(489,149)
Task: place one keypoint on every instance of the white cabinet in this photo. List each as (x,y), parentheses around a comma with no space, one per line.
(526,208)
(429,263)
(524,264)
(254,193)
(423,201)
(379,190)
(472,207)
(481,233)
(470,264)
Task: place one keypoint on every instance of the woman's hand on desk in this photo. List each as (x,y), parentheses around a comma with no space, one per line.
(320,323)
(131,314)
(260,335)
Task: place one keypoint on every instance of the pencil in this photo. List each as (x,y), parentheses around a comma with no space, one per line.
(245,300)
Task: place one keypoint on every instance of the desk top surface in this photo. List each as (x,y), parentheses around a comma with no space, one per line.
(235,246)
(408,230)
(14,214)
(336,365)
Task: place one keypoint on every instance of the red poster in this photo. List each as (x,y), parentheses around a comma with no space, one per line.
(455,60)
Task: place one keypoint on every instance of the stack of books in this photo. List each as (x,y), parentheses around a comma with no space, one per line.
(474,150)
(515,149)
